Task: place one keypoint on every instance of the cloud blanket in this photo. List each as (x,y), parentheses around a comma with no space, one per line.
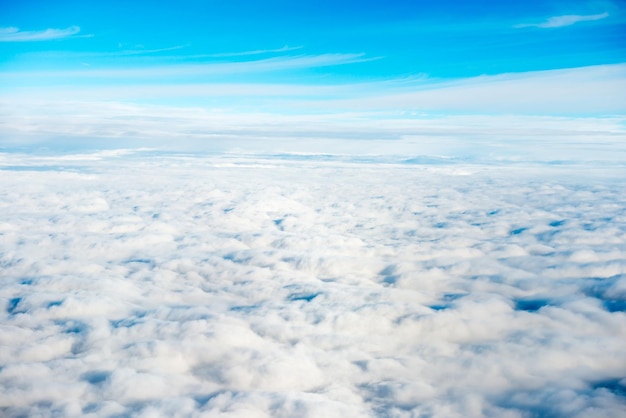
(182,286)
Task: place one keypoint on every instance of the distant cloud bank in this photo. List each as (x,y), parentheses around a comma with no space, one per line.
(503,116)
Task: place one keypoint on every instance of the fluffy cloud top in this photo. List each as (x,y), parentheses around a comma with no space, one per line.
(162,286)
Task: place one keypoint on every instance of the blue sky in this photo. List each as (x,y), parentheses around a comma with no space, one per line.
(366,58)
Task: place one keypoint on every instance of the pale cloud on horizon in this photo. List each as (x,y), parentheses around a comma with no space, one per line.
(478,137)
(583,90)
(530,106)
(164,107)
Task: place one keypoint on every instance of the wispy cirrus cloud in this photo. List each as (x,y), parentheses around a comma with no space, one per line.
(13,34)
(140,51)
(564,20)
(285,48)
(210,68)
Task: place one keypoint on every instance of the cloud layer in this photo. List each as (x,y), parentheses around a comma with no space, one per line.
(306,286)
(509,116)
(498,106)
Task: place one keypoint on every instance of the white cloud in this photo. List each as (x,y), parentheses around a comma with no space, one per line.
(565,20)
(593,89)
(507,116)
(307,286)
(12,34)
(97,125)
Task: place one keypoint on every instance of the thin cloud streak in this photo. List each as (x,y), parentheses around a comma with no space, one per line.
(141,51)
(209,68)
(12,34)
(285,48)
(562,21)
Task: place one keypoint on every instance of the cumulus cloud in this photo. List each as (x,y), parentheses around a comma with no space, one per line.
(162,285)
(565,20)
(12,34)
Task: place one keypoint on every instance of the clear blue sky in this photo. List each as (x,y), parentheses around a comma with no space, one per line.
(396,55)
(442,39)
